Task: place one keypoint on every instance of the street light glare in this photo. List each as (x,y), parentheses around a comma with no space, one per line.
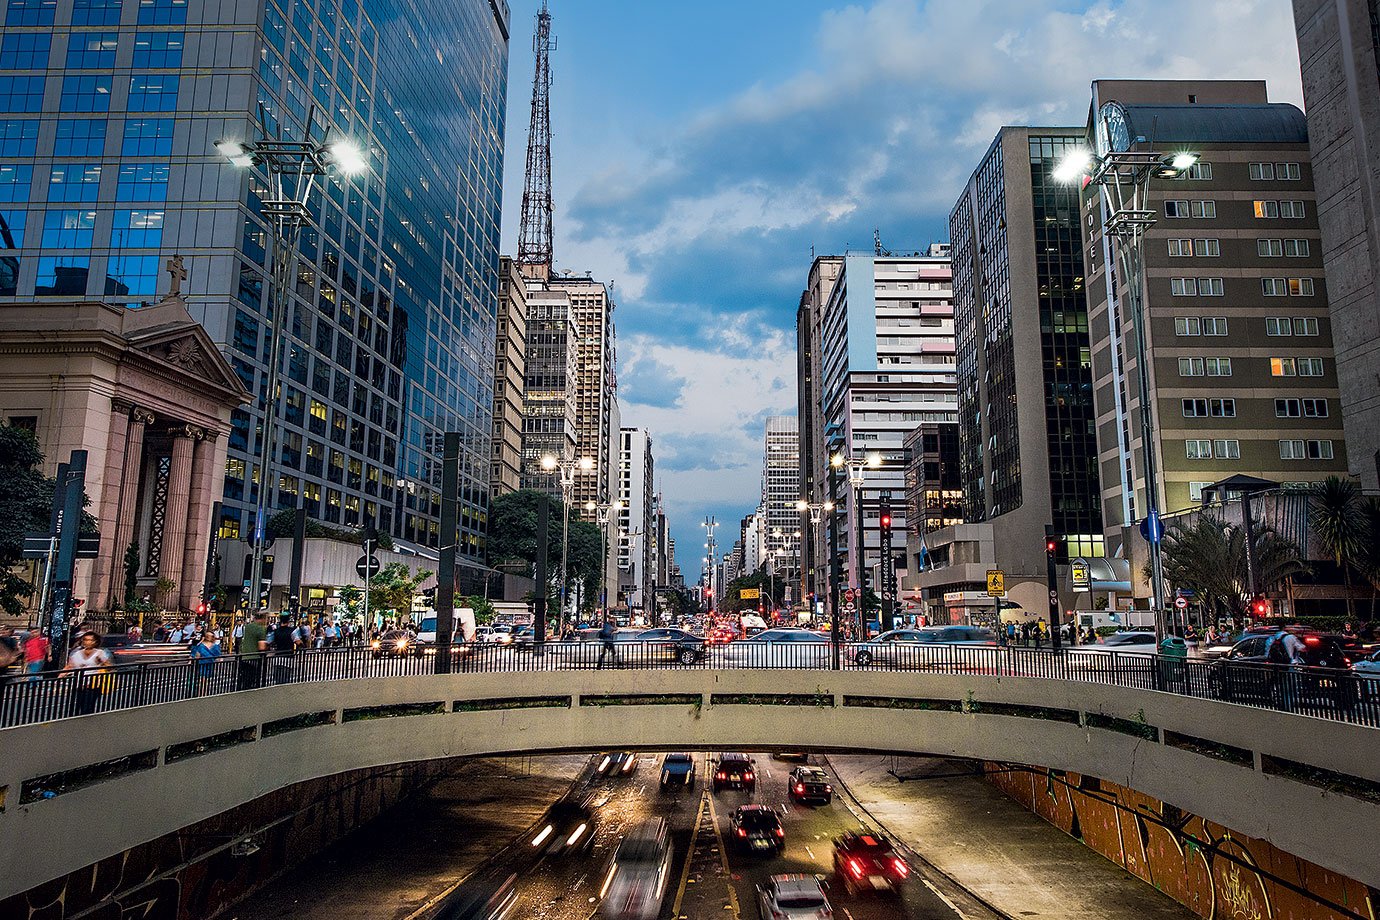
(349,159)
(234,152)
(802,505)
(1074,164)
(1185,161)
(548,462)
(874,460)
(586,463)
(836,461)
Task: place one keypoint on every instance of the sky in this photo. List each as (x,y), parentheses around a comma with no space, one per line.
(702,151)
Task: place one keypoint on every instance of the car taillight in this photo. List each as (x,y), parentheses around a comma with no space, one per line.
(780,832)
(721,775)
(747,775)
(856,868)
(901,868)
(828,788)
(1312,640)
(799,788)
(742,832)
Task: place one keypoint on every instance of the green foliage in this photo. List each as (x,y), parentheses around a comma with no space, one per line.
(1341,520)
(513,539)
(733,602)
(280,527)
(393,588)
(484,611)
(26,503)
(1208,557)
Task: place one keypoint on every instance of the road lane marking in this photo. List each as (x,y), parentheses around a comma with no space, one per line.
(689,857)
(941,896)
(723,860)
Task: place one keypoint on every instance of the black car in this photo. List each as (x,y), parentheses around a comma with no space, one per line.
(616,763)
(811,784)
(1246,671)
(568,827)
(490,898)
(757,829)
(674,644)
(865,861)
(678,771)
(395,643)
(735,771)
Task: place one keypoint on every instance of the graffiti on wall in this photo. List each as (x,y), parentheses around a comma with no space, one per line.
(1217,873)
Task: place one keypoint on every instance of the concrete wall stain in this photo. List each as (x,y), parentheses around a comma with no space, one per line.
(1215,872)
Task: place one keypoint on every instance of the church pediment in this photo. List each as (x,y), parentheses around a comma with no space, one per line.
(188,350)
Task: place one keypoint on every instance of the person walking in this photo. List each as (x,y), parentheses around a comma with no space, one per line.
(252,646)
(607,634)
(204,655)
(91,665)
(284,641)
(35,653)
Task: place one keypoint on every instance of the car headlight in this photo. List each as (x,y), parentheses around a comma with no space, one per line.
(374,643)
(402,643)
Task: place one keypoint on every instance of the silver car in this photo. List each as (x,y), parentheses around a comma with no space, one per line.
(782,647)
(793,897)
(639,874)
(918,648)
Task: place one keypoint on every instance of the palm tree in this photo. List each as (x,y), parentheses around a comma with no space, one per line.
(1208,557)
(1337,520)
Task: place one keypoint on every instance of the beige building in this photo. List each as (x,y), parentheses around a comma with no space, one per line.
(1339,49)
(510,370)
(548,415)
(595,385)
(1239,337)
(814,454)
(147,394)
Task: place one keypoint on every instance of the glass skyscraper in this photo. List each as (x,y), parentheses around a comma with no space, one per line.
(109,113)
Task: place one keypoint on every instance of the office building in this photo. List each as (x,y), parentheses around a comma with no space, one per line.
(1027,443)
(887,364)
(510,374)
(595,385)
(1339,49)
(1239,339)
(548,415)
(637,518)
(110,118)
(814,454)
(781,528)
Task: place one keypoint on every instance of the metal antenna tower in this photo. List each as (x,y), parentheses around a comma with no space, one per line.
(535,237)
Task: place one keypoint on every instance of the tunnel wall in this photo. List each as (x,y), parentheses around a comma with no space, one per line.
(1298,783)
(1210,869)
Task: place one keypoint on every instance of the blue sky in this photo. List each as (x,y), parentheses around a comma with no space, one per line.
(701,149)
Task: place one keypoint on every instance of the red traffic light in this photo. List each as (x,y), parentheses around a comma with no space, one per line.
(1260,607)
(1051,546)
(886,522)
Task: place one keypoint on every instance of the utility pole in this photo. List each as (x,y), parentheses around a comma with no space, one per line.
(72,486)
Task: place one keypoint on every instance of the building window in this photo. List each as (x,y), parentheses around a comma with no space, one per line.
(1187,325)
(1291,209)
(21,94)
(150,92)
(15,182)
(157,49)
(1217,367)
(96,12)
(1310,367)
(1195,408)
(68,229)
(1190,367)
(1214,325)
(91,50)
(86,93)
(31,12)
(1283,367)
(1300,287)
(1206,209)
(1314,408)
(137,230)
(1198,171)
(1207,248)
(1195,490)
(1176,207)
(1305,325)
(12,229)
(132,275)
(1296,249)
(1288,172)
(162,12)
(1269,248)
(19,137)
(142,182)
(1274,287)
(1305,450)
(1278,325)
(1227,449)
(80,137)
(1287,408)
(1266,209)
(25,51)
(148,137)
(62,276)
(1209,287)
(1180,248)
(1260,171)
(1183,287)
(1198,450)
(1222,408)
(74,182)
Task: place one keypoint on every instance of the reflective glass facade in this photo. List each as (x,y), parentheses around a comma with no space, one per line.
(109,112)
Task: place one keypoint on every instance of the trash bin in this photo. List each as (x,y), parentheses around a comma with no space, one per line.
(1173,661)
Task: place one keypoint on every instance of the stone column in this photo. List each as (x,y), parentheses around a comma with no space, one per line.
(175,516)
(199,523)
(127,498)
(107,508)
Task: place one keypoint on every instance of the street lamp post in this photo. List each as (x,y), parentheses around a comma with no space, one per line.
(856,468)
(817,510)
(604,514)
(1123,177)
(292,169)
(566,469)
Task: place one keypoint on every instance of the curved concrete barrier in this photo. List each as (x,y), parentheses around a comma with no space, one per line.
(1303,784)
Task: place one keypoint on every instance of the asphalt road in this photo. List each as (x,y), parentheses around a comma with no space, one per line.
(709,879)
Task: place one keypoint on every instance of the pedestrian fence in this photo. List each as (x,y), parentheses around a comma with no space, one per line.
(1325,693)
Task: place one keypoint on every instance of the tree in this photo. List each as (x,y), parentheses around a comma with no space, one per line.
(513,539)
(393,588)
(282,524)
(1208,557)
(484,611)
(26,505)
(1341,526)
(772,593)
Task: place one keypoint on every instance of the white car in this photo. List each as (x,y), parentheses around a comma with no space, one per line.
(1367,672)
(1133,642)
(783,647)
(639,874)
(920,647)
(793,897)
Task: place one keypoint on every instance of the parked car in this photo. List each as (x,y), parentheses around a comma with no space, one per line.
(677,771)
(793,897)
(735,771)
(757,829)
(918,647)
(639,873)
(616,763)
(1367,672)
(865,861)
(811,784)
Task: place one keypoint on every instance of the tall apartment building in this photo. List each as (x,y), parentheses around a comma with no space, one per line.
(510,373)
(110,113)
(814,454)
(887,364)
(781,522)
(1028,446)
(596,429)
(549,399)
(637,518)
(1238,337)
(1339,49)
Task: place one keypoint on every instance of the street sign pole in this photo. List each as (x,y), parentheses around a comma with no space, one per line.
(73,489)
(1052,581)
(450,539)
(539,595)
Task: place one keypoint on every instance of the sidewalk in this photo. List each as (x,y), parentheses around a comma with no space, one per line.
(1018,863)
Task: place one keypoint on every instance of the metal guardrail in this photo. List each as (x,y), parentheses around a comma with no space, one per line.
(1325,693)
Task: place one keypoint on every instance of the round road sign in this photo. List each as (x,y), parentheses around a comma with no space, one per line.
(368,566)
(1181,602)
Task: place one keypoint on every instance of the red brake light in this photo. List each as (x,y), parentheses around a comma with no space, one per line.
(780,832)
(799,788)
(742,832)
(721,775)
(1312,640)
(747,775)
(901,868)
(856,868)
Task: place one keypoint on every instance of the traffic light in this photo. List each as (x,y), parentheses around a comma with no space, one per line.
(1051,546)
(201,608)
(886,519)
(1260,606)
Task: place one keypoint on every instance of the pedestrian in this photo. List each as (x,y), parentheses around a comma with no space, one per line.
(90,665)
(284,642)
(607,633)
(253,644)
(1287,651)
(10,652)
(35,653)
(134,633)
(204,654)
(1010,633)
(1039,632)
